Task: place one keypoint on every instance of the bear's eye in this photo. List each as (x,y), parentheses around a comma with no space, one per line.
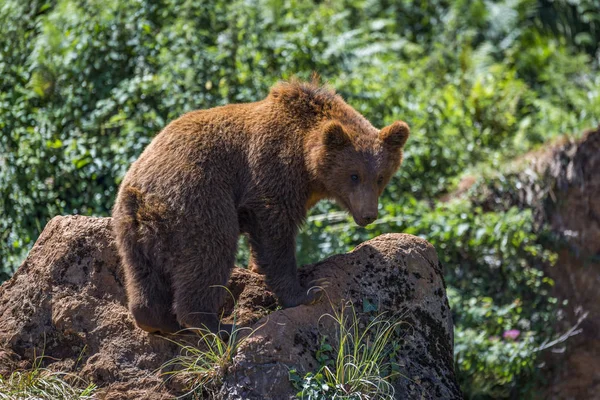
(380,180)
(354,177)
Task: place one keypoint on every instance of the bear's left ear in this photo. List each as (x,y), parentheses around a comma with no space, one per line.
(334,136)
(395,135)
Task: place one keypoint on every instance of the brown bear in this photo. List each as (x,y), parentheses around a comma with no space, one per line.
(253,169)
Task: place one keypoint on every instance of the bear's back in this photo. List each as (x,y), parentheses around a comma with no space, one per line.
(242,148)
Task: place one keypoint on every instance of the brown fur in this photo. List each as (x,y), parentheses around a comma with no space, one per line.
(251,168)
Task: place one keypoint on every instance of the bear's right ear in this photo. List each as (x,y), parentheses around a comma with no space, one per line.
(395,135)
(334,136)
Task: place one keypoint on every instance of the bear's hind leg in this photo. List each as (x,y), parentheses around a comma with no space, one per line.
(149,296)
(202,267)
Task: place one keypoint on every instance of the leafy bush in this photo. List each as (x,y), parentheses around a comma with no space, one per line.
(87,83)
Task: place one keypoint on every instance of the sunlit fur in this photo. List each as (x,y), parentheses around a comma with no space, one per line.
(251,169)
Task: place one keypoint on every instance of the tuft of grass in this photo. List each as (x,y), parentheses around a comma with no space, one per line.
(44,384)
(357,364)
(201,366)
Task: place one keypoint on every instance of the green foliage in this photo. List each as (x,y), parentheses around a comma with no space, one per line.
(41,383)
(201,365)
(492,366)
(356,364)
(87,83)
(495,284)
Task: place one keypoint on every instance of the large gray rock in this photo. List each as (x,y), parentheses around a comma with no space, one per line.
(68,300)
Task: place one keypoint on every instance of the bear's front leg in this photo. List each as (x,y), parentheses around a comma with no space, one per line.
(274,255)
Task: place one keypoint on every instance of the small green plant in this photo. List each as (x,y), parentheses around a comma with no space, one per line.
(357,363)
(201,366)
(43,384)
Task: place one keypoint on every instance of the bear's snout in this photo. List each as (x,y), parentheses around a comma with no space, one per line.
(363,206)
(365,220)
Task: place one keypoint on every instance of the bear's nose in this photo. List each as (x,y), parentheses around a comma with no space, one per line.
(369,218)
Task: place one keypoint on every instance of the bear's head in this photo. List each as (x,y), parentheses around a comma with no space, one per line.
(354,164)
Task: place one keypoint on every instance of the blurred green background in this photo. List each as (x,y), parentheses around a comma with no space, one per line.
(86,84)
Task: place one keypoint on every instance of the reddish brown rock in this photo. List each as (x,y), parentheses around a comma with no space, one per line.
(67,300)
(560,183)
(398,274)
(571,206)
